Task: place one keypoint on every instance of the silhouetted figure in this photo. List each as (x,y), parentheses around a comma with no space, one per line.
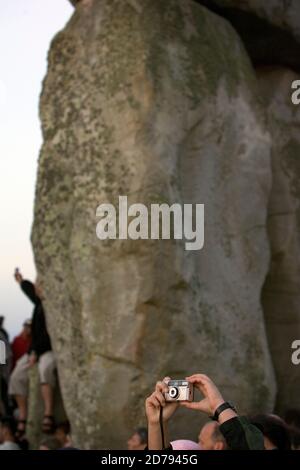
(39,352)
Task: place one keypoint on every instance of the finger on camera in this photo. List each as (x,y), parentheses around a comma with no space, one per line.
(154,401)
(161,387)
(198,383)
(205,380)
(199,380)
(160,397)
(196,377)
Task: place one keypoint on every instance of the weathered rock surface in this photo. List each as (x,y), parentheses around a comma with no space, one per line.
(36,410)
(282,13)
(269,41)
(157,102)
(281,297)
(75,2)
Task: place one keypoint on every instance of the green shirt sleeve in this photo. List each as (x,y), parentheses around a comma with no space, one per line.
(241,435)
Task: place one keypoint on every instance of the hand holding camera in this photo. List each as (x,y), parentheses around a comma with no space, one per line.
(212,396)
(158,400)
(169,394)
(179,390)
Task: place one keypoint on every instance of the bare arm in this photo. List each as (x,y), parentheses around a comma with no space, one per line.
(153,405)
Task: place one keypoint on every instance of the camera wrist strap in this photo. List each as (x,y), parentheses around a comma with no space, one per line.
(161,426)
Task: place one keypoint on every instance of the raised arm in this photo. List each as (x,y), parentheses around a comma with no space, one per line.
(29,290)
(26,286)
(238,432)
(154,403)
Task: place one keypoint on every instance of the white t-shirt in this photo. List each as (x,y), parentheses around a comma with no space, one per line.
(8,445)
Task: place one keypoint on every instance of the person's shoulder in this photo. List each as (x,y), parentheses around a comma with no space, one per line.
(16,339)
(9,446)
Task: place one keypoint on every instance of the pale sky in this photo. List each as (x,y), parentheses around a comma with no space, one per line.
(26,29)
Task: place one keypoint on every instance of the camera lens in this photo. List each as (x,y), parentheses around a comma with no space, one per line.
(173,392)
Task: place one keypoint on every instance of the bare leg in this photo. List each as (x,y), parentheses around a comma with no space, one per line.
(22,406)
(47,394)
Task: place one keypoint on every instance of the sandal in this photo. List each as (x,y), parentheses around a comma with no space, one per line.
(21,428)
(48,425)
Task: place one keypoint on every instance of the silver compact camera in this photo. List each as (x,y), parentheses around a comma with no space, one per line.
(179,390)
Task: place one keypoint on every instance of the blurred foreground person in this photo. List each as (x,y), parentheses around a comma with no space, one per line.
(238,432)
(40,352)
(184,444)
(138,440)
(292,418)
(7,434)
(295,438)
(275,431)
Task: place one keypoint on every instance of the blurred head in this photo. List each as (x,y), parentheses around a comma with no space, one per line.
(274,429)
(7,429)
(27,328)
(23,443)
(183,444)
(138,440)
(62,433)
(1,321)
(51,443)
(292,417)
(211,438)
(295,438)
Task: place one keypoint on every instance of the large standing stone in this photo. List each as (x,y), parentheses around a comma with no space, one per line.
(154,100)
(281,296)
(282,13)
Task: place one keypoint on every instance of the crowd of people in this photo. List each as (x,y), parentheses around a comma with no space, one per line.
(224,430)
(32,346)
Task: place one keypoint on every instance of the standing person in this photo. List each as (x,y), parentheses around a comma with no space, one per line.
(21,343)
(40,352)
(5,371)
(3,331)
